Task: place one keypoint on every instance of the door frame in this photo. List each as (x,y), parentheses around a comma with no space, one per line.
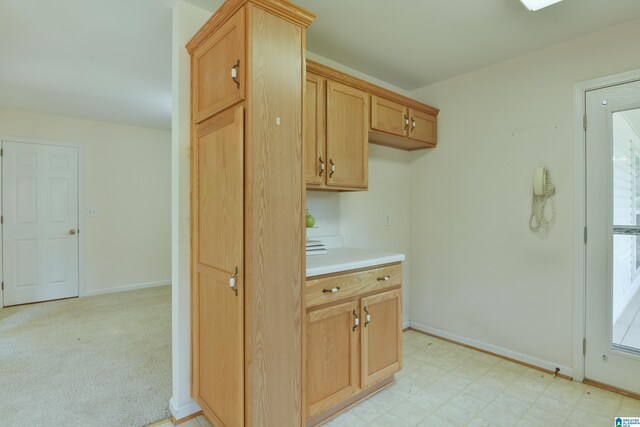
(580,209)
(81,241)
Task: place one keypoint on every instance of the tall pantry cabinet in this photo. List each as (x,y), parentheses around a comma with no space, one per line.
(247,210)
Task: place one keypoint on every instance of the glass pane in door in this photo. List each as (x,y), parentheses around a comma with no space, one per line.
(625,308)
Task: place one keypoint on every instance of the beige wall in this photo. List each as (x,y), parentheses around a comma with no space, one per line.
(482,275)
(359,216)
(127,178)
(362,214)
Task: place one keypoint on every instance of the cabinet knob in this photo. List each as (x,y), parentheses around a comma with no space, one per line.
(406,122)
(331,291)
(356,321)
(413,124)
(333,168)
(234,74)
(321,166)
(385,278)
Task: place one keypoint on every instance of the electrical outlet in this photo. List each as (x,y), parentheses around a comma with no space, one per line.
(92,212)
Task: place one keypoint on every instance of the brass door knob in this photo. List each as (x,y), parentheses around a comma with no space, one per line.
(72,232)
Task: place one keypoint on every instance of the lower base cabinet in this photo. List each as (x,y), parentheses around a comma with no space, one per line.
(332,356)
(381,352)
(352,344)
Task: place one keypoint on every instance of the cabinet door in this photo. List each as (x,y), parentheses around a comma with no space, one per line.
(217,254)
(423,127)
(214,65)
(314,131)
(381,336)
(347,136)
(332,356)
(389,116)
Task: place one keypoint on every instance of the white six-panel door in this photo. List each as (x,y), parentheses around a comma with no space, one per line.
(40,222)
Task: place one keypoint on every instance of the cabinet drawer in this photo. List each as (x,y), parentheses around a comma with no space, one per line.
(336,287)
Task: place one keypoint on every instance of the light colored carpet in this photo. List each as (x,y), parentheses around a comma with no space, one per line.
(96,361)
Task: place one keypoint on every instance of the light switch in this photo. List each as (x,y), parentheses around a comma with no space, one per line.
(387,219)
(92,212)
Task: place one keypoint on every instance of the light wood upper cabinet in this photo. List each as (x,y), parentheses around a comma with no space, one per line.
(347,136)
(332,356)
(388,116)
(314,128)
(422,127)
(396,125)
(214,65)
(381,336)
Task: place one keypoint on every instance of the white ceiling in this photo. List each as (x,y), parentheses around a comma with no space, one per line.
(413,43)
(106,60)
(111,59)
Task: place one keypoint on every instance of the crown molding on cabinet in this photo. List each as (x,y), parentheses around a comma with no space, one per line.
(282,8)
(357,83)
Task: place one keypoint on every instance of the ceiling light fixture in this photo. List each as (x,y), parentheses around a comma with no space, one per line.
(538,4)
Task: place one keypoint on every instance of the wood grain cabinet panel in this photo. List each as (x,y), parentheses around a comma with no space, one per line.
(314,127)
(347,136)
(332,288)
(218,253)
(422,127)
(361,308)
(247,210)
(212,65)
(332,356)
(381,336)
(388,116)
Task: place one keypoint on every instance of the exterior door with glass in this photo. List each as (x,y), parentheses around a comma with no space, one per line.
(612,346)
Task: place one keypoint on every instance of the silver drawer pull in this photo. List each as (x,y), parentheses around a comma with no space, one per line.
(332,290)
(385,278)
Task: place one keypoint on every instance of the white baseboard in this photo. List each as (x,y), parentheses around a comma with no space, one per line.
(144,285)
(406,324)
(180,412)
(550,366)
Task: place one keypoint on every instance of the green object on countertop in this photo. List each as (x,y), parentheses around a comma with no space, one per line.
(311,221)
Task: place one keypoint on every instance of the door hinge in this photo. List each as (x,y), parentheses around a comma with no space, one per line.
(584,346)
(585,235)
(584,122)
(3,286)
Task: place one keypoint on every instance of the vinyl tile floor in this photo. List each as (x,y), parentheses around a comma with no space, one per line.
(444,384)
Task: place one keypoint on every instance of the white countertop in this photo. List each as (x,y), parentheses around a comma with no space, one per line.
(343,259)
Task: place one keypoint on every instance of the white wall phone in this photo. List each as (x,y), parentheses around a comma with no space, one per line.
(543,189)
